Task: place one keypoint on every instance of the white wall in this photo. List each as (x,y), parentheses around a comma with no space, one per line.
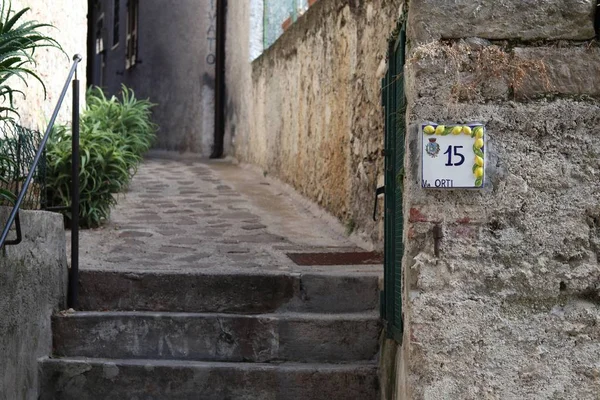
(70,21)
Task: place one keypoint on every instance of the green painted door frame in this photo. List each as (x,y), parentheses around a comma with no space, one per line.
(394,102)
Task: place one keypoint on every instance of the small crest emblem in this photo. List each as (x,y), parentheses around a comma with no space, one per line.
(432,148)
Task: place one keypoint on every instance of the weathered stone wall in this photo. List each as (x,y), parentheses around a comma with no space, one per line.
(33,285)
(310,111)
(511,307)
(70,30)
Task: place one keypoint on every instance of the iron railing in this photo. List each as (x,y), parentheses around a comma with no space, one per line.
(14,215)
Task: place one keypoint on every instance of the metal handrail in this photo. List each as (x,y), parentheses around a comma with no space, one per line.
(14,215)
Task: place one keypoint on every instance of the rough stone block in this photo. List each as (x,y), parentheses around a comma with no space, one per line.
(218,337)
(508,19)
(462,72)
(240,292)
(73,379)
(565,71)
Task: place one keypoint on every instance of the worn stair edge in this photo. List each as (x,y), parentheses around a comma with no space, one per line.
(238,292)
(82,379)
(218,337)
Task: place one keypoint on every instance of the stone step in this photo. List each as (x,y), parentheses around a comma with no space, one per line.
(239,292)
(308,337)
(83,379)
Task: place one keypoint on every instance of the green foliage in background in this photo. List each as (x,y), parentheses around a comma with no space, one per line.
(115,133)
(128,116)
(6,166)
(18,41)
(19,38)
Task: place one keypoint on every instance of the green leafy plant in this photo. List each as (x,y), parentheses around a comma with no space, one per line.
(114,135)
(130,117)
(18,41)
(6,167)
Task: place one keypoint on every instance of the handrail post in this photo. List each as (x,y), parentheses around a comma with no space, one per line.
(73,293)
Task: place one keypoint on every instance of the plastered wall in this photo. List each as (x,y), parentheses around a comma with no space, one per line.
(33,286)
(69,18)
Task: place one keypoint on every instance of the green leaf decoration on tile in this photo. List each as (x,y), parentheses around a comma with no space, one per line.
(478,152)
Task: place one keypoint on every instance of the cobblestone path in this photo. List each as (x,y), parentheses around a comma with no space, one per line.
(185,214)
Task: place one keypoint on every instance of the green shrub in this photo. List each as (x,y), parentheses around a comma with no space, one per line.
(114,135)
(6,167)
(129,117)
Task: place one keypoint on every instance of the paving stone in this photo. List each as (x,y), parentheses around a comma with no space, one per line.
(133,242)
(231,249)
(210,233)
(232,201)
(258,238)
(134,234)
(237,215)
(175,249)
(252,227)
(179,211)
(188,192)
(167,206)
(147,218)
(155,256)
(171,232)
(119,259)
(194,257)
(217,225)
(187,222)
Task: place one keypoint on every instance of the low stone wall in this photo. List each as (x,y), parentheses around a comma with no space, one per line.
(33,285)
(312,114)
(510,309)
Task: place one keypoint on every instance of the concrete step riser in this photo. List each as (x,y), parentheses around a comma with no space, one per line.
(237,293)
(83,380)
(210,337)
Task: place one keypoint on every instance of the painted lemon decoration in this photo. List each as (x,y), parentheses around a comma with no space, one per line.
(478,172)
(466,130)
(440,129)
(479,161)
(457,130)
(479,143)
(429,130)
(479,132)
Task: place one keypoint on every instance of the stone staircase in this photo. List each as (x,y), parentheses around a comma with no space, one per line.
(217,336)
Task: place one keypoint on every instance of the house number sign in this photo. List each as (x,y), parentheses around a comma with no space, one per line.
(453,156)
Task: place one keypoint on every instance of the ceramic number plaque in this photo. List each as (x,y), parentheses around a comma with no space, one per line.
(453,156)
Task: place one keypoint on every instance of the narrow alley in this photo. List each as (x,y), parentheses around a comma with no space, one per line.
(300,200)
(189,292)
